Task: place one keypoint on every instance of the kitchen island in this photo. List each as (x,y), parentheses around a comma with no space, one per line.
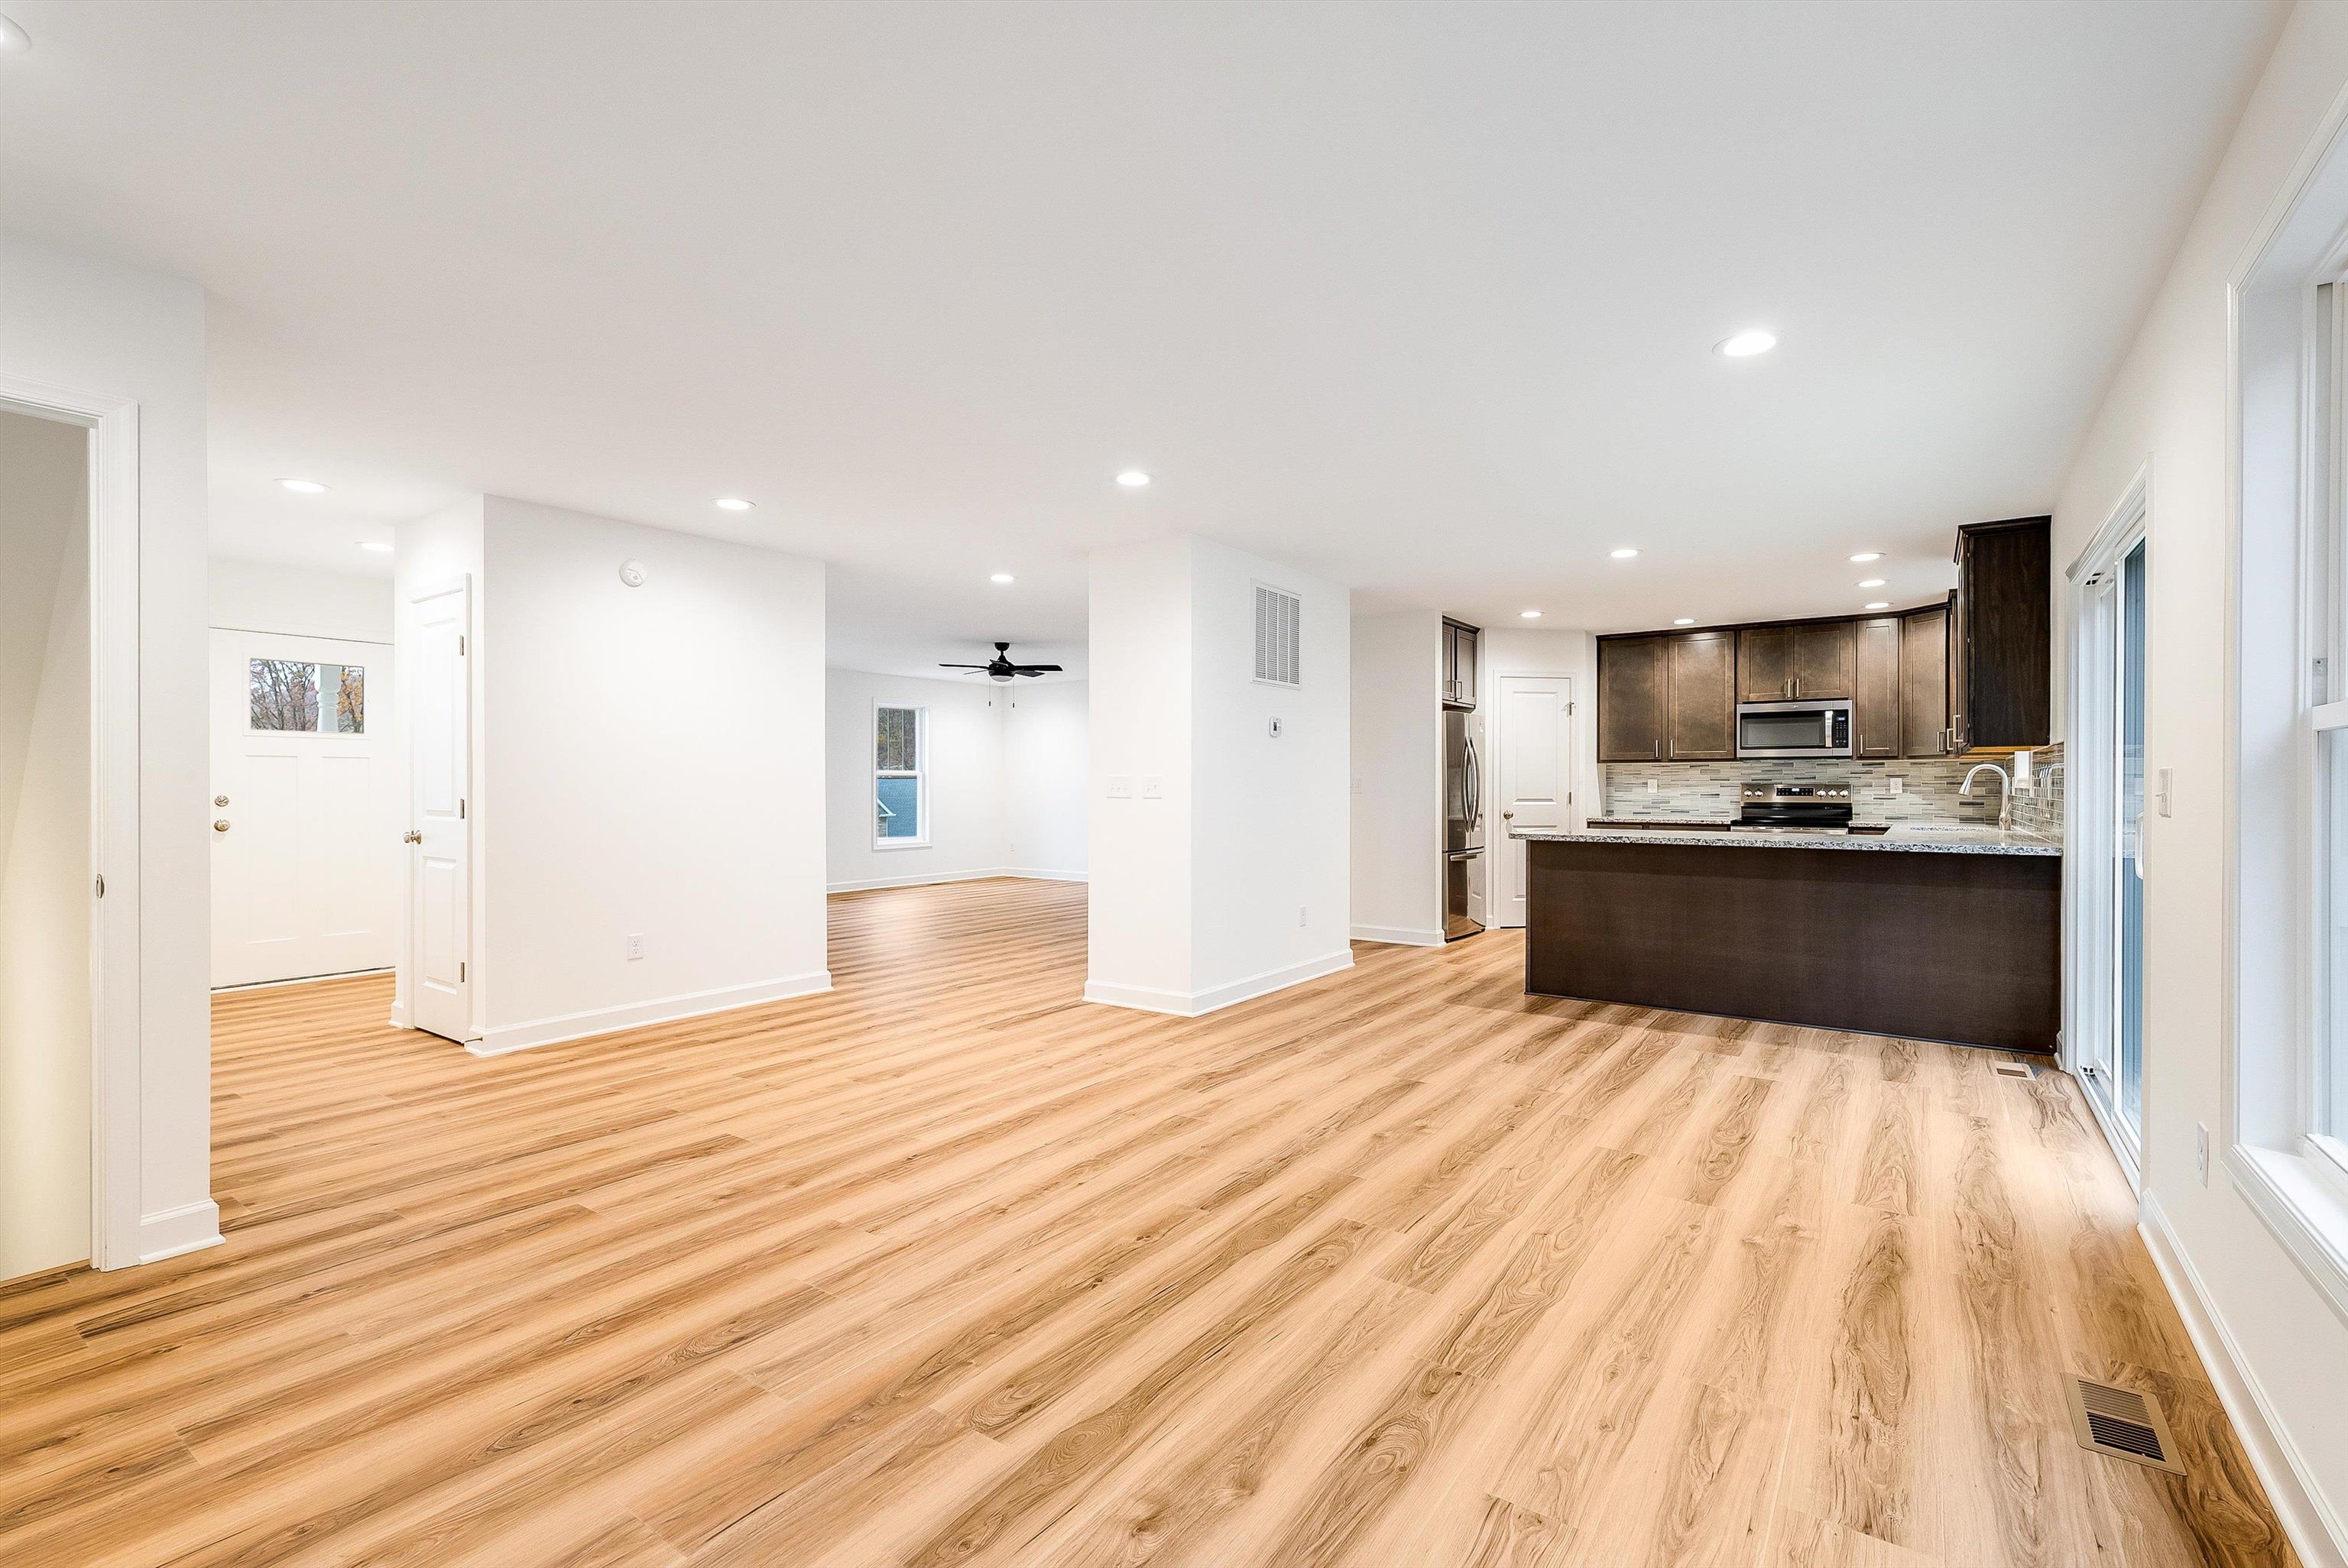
(1932,934)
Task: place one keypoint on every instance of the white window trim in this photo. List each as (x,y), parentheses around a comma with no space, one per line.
(2090,914)
(2282,433)
(919,774)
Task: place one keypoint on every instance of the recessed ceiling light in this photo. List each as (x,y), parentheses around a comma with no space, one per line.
(1133,479)
(1684,621)
(1863,557)
(302,487)
(1746,343)
(14,40)
(1625,553)
(1529,615)
(1880,604)
(378,546)
(1001,577)
(733,504)
(1871,582)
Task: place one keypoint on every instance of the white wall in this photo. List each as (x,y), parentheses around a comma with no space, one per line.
(1397,778)
(1044,778)
(653,764)
(1233,880)
(1138,925)
(96,328)
(45,800)
(260,596)
(963,724)
(2168,407)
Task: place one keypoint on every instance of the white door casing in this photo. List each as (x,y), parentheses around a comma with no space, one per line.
(306,824)
(1536,777)
(440,867)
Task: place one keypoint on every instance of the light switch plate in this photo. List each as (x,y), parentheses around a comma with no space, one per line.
(1120,787)
(1153,788)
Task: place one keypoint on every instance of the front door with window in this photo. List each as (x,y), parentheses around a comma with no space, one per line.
(305,815)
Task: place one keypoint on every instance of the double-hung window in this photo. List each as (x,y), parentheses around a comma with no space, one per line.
(900,814)
(2286,1143)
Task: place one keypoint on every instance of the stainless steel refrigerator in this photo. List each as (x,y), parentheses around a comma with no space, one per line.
(1463,825)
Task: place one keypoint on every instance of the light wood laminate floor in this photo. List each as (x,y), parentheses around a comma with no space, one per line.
(1401,1267)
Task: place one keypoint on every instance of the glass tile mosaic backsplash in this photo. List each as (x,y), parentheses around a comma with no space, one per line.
(1928,789)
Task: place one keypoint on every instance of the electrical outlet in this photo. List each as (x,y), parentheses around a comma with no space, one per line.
(635,947)
(1300,915)
(2163,780)
(1898,783)
(1650,786)
(2201,1152)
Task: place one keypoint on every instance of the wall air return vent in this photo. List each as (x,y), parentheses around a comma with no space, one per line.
(1278,631)
(2122,1424)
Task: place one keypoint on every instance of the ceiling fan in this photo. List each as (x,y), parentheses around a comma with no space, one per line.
(1001,669)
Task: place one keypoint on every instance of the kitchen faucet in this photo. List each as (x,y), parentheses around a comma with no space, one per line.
(2005,793)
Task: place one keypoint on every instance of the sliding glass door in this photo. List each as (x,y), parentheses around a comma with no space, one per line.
(2107,832)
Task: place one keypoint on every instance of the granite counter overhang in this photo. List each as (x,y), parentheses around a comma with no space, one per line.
(1984,841)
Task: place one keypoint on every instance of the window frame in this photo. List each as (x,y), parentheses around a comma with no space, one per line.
(2286,608)
(919,773)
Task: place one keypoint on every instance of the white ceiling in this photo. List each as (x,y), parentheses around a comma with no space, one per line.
(1418,296)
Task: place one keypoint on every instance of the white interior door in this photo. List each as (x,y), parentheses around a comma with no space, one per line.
(305,808)
(1536,768)
(440,826)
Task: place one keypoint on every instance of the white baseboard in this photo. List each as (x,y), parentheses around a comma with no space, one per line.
(1399,936)
(1191,1004)
(933,878)
(667,1010)
(188,1228)
(2317,1533)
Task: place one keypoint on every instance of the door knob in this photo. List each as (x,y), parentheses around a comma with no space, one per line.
(220,826)
(220,800)
(1507,816)
(411,836)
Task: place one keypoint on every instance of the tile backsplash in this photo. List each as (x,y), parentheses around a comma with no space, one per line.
(1928,789)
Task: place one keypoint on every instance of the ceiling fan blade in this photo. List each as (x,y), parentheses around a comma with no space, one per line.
(1035,669)
(965,666)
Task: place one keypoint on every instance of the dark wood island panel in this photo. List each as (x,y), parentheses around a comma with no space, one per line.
(1925,945)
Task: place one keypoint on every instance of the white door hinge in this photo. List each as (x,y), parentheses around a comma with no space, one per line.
(461,811)
(460,645)
(101,885)
(460,973)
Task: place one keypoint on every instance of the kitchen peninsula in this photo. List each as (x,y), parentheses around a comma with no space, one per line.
(1948,935)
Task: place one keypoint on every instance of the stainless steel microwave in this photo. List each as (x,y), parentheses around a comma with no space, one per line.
(1811,727)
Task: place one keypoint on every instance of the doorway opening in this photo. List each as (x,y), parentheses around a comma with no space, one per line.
(2105,1026)
(48,951)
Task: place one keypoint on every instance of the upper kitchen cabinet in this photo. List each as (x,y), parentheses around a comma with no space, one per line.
(2001,675)
(1825,659)
(1925,683)
(1875,706)
(1701,671)
(1633,699)
(1459,665)
(1807,659)
(1764,664)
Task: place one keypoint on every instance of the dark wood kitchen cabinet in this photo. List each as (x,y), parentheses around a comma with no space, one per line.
(1633,699)
(1925,683)
(1807,659)
(1875,705)
(1764,664)
(1702,694)
(1825,659)
(2001,674)
(1459,664)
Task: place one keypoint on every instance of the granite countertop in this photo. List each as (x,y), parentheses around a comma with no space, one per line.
(1911,840)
